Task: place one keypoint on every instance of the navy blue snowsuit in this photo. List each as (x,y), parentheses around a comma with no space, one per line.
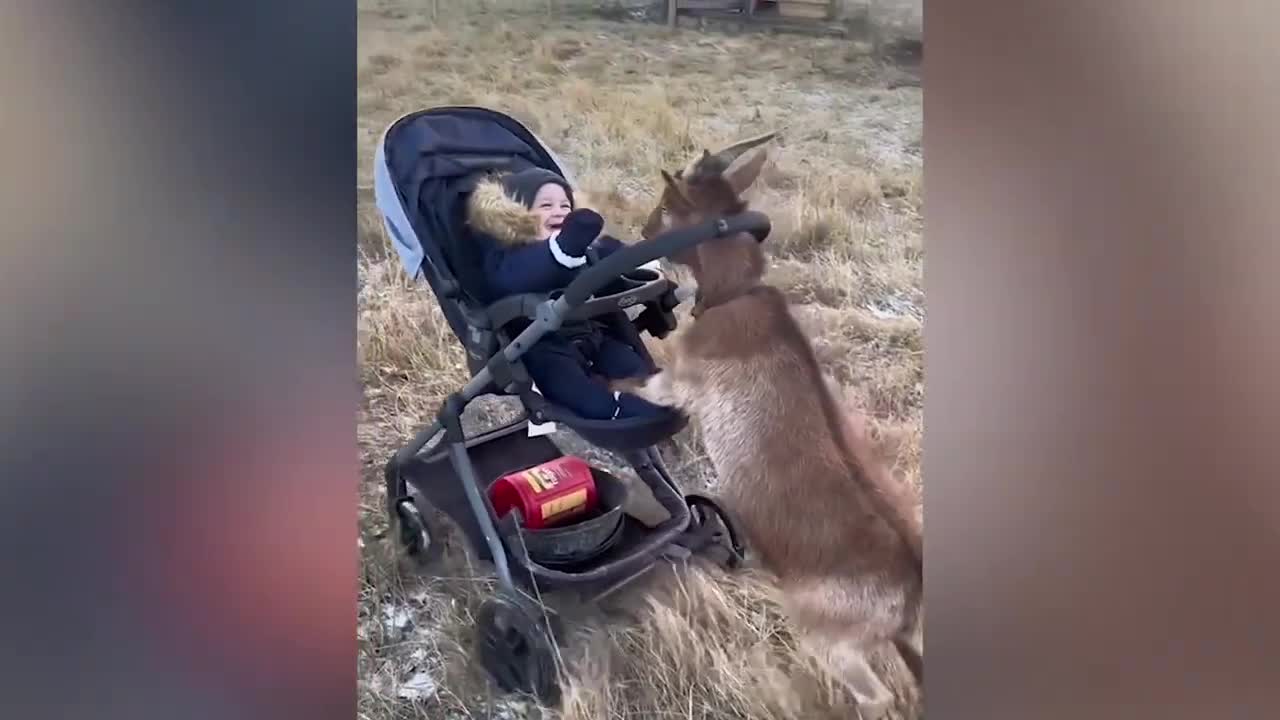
(563,365)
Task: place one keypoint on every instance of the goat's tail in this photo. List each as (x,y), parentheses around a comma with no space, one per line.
(895,499)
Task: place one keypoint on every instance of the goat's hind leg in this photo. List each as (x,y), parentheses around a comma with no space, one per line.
(839,627)
(846,659)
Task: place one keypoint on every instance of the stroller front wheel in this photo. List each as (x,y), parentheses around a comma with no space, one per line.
(414,533)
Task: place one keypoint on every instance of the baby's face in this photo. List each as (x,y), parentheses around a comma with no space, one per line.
(550,205)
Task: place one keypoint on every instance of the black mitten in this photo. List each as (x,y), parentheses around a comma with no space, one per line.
(580,227)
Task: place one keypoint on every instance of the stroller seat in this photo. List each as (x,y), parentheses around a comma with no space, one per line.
(426,167)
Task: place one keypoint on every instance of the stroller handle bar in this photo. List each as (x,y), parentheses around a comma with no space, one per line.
(669,243)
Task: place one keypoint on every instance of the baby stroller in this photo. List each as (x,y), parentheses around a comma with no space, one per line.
(426,164)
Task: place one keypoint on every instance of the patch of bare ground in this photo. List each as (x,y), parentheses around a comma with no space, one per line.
(619,100)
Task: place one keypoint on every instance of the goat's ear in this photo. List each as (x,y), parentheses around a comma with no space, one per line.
(695,166)
(735,150)
(744,171)
(676,201)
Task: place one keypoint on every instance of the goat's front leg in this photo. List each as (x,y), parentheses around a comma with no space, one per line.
(658,388)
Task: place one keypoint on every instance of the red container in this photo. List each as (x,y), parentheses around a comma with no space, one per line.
(547,495)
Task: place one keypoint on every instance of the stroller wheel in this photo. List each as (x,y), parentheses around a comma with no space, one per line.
(517,649)
(414,534)
(703,508)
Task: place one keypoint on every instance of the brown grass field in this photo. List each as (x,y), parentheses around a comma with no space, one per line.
(619,98)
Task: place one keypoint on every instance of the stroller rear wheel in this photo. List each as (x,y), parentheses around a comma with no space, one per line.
(517,648)
(703,508)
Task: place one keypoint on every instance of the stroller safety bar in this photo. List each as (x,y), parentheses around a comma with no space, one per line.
(665,245)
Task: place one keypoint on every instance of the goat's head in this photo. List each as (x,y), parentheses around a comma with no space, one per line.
(712,186)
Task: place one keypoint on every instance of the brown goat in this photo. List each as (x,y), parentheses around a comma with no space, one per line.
(791,459)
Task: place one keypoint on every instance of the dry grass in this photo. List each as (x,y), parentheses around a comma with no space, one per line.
(618,101)
(705,647)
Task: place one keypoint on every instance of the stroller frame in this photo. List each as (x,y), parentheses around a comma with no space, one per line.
(516,637)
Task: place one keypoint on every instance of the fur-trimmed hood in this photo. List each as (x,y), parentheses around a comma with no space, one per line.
(491,211)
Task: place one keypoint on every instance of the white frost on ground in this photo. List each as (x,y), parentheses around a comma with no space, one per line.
(416,678)
(396,619)
(894,307)
(419,686)
(508,709)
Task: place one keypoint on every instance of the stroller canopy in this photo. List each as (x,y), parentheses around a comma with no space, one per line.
(426,164)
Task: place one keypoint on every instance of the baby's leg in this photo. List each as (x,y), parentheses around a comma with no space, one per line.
(562,378)
(616,360)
